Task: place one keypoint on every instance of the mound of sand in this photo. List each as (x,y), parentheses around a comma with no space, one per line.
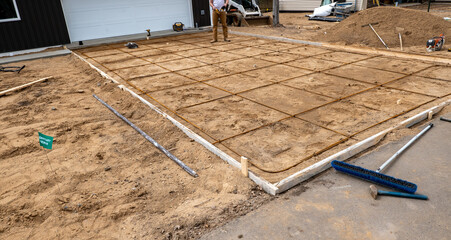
(416,27)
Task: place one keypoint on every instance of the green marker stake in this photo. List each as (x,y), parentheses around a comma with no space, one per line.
(45,141)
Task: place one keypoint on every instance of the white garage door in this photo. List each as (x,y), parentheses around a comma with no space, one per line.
(92,19)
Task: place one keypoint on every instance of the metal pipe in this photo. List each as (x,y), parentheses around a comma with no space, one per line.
(157,145)
(275,13)
(404,148)
(378,36)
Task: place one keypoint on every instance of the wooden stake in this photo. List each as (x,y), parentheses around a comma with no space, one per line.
(430,114)
(24,86)
(400,41)
(244,166)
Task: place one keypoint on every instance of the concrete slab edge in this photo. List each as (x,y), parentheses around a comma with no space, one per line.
(34,56)
(351,151)
(265,185)
(102,73)
(353,49)
(134,37)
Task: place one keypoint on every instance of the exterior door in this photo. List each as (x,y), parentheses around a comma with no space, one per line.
(201,12)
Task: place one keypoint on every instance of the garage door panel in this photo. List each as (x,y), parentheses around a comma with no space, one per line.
(99,19)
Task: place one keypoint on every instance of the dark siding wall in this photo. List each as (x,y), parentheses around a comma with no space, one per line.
(42,24)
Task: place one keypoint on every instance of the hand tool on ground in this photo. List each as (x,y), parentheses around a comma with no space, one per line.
(371,26)
(148,34)
(131,45)
(155,143)
(445,119)
(375,192)
(377,176)
(435,43)
(11,69)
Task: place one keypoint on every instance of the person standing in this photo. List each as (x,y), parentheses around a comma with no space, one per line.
(218,7)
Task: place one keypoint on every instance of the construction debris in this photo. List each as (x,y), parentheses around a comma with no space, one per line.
(12,69)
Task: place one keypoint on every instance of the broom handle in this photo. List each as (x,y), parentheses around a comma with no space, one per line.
(401,194)
(404,148)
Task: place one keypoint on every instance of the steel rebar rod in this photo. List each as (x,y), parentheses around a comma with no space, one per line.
(155,143)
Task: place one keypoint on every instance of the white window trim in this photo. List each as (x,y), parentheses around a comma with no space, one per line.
(12,19)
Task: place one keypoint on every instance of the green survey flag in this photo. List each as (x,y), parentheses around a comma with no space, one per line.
(45,141)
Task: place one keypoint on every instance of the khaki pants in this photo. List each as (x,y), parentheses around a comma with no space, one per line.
(216,16)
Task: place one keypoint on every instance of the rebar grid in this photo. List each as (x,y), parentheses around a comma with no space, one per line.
(347,137)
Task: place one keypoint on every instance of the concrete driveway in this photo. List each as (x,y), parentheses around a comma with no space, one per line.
(336,206)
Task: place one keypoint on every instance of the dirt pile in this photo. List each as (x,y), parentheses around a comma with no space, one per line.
(416,27)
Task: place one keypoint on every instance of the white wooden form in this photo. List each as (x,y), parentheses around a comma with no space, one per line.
(351,151)
(297,177)
(265,185)
(362,50)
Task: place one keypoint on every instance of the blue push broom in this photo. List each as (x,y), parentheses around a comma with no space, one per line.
(377,176)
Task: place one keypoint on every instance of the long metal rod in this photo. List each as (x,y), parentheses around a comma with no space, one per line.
(378,36)
(157,145)
(404,148)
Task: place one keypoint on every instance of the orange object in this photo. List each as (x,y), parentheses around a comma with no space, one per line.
(436,43)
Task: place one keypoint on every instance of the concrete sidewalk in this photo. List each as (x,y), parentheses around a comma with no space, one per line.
(337,206)
(33,56)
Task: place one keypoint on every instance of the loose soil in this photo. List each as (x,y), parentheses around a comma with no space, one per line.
(103,180)
(415,26)
(295,25)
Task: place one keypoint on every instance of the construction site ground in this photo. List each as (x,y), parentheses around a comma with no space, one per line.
(295,25)
(102,179)
(283,105)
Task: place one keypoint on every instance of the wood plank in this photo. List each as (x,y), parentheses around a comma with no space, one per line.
(24,86)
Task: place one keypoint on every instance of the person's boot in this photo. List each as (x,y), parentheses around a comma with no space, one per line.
(213,41)
(226,40)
